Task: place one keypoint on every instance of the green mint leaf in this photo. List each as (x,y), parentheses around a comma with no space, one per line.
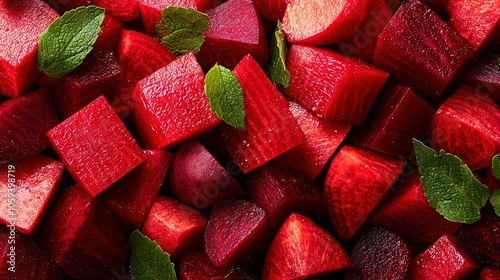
(68,40)
(180,29)
(226,96)
(495,167)
(495,201)
(277,69)
(148,261)
(449,185)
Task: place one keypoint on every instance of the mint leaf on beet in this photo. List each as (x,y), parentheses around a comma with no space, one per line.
(179,29)
(277,68)
(495,201)
(148,261)
(449,185)
(225,95)
(68,40)
(495,167)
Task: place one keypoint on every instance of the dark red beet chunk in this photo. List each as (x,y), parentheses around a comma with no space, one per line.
(21,23)
(419,49)
(379,254)
(322,140)
(197,266)
(484,75)
(407,213)
(24,122)
(356,183)
(445,259)
(130,199)
(333,86)
(176,227)
(96,147)
(272,9)
(172,106)
(270,130)
(83,238)
(303,250)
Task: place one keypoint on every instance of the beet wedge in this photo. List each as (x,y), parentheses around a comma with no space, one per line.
(445,259)
(468,112)
(237,234)
(199,180)
(197,266)
(272,9)
(379,254)
(420,50)
(24,121)
(21,23)
(130,199)
(484,75)
(176,227)
(281,191)
(172,106)
(96,147)
(303,250)
(322,140)
(83,238)
(321,22)
(357,181)
(333,86)
(235,30)
(271,130)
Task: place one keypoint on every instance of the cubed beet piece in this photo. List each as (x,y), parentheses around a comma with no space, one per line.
(197,266)
(109,35)
(96,147)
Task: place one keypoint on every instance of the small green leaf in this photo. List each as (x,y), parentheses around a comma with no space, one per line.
(68,40)
(278,52)
(449,185)
(180,29)
(148,261)
(495,167)
(495,201)
(226,96)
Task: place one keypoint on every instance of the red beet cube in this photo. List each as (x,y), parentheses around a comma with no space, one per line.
(176,227)
(24,122)
(402,116)
(198,179)
(197,266)
(172,106)
(407,212)
(445,259)
(235,30)
(83,238)
(489,273)
(151,10)
(21,23)
(356,183)
(130,199)
(124,10)
(281,191)
(237,234)
(419,49)
(322,140)
(109,35)
(96,147)
(303,250)
(333,86)
(271,130)
(468,112)
(25,257)
(484,75)
(272,9)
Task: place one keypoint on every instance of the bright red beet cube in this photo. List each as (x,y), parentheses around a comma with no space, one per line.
(333,86)
(172,106)
(96,147)
(21,23)
(176,227)
(197,266)
(109,36)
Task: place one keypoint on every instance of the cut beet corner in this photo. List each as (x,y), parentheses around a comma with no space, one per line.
(331,85)
(130,199)
(303,250)
(357,181)
(197,266)
(35,181)
(271,128)
(237,234)
(320,22)
(96,147)
(172,106)
(83,238)
(235,30)
(419,49)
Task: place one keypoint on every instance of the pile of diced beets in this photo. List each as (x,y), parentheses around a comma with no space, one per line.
(323,181)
